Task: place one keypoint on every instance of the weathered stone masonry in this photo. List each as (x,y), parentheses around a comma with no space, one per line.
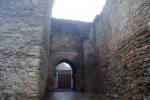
(67,38)
(111,55)
(24,42)
(121,34)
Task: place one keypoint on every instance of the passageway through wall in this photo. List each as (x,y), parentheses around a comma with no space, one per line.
(63,76)
(66,46)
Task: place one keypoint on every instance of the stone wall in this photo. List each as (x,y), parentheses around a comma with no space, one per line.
(121,34)
(111,58)
(67,44)
(25,27)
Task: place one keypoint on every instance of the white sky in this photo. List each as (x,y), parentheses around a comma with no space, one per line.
(83,10)
(63,66)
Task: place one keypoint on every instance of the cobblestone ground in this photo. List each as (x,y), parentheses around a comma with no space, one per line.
(72,95)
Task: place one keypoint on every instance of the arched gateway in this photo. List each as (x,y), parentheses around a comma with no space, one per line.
(64,77)
(66,47)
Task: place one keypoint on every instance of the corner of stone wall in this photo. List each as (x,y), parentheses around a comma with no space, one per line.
(45,59)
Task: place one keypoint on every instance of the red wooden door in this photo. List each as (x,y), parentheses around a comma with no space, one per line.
(64,81)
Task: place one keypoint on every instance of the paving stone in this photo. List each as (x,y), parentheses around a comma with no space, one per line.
(72,95)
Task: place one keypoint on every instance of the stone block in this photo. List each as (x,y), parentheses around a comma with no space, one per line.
(148,23)
(139,97)
(9,92)
(32,74)
(136,91)
(128,96)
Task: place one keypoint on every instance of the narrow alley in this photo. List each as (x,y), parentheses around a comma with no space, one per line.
(107,58)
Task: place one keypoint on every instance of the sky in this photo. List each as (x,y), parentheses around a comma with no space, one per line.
(82,10)
(63,66)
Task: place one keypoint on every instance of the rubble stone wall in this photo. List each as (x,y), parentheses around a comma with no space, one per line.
(121,34)
(24,27)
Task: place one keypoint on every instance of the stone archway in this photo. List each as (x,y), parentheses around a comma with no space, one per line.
(63,76)
(73,70)
(66,46)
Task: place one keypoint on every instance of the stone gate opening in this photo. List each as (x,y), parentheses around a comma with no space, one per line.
(64,75)
(66,45)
